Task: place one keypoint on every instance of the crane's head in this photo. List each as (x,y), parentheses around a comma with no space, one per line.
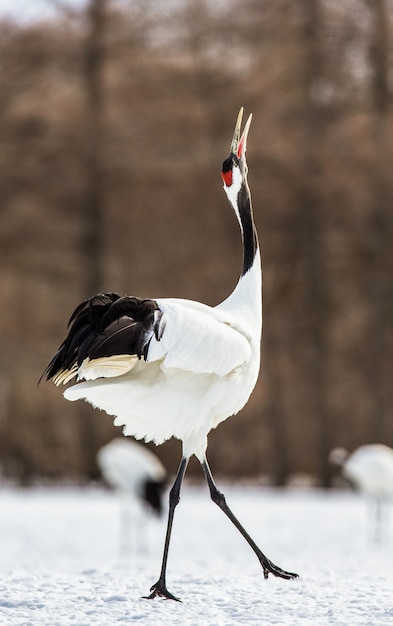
(234,168)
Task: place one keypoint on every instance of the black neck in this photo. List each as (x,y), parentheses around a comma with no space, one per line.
(250,238)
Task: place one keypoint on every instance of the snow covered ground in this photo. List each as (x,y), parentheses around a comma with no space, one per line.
(61,563)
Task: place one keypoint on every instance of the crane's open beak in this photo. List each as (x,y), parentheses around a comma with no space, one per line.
(239,143)
(237,155)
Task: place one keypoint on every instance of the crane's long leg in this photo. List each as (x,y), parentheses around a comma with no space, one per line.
(219,499)
(159,588)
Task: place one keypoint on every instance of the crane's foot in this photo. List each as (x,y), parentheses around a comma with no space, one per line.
(271,568)
(159,590)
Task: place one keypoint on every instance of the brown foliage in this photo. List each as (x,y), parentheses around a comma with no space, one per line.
(139,148)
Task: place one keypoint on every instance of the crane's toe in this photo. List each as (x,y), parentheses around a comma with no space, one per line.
(159,590)
(271,568)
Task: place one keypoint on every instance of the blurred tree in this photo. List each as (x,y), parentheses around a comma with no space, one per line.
(93,244)
(311,341)
(380,283)
(111,120)
(95,211)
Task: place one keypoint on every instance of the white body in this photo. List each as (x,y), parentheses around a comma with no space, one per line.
(202,369)
(370,468)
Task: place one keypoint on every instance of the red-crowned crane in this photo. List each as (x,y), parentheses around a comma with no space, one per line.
(172,367)
(370,470)
(139,478)
(130,468)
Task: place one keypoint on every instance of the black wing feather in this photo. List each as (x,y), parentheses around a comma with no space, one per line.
(105,325)
(117,338)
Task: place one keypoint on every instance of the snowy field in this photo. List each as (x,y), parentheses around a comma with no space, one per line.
(61,561)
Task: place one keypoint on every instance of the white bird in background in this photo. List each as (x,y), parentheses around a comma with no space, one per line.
(139,477)
(171,367)
(370,470)
(131,468)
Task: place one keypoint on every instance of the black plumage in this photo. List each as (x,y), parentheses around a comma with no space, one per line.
(152,491)
(106,324)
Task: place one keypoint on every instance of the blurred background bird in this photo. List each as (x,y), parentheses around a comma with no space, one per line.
(139,478)
(369,469)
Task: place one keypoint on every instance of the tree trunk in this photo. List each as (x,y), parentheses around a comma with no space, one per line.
(95,190)
(381,232)
(92,237)
(315,305)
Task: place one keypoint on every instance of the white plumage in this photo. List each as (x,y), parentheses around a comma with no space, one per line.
(129,468)
(370,470)
(171,367)
(200,370)
(139,479)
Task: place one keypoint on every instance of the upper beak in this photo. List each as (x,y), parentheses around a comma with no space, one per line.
(239,143)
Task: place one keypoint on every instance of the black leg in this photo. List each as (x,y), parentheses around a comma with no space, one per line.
(159,588)
(219,499)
